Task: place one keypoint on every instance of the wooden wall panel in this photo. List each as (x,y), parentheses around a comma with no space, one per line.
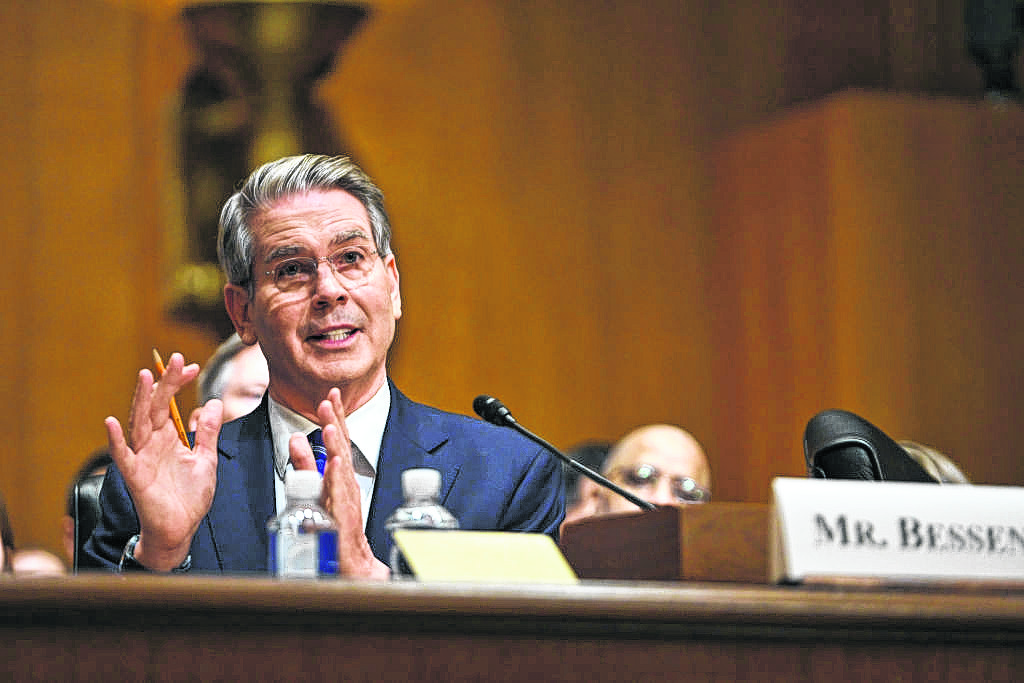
(898,299)
(771,278)
(933,206)
(548,195)
(77,250)
(163,57)
(16,196)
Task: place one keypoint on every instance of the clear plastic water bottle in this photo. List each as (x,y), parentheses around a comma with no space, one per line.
(421,488)
(303,539)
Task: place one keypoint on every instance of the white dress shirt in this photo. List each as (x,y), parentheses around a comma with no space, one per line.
(365,429)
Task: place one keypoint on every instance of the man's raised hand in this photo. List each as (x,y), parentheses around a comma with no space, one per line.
(172,486)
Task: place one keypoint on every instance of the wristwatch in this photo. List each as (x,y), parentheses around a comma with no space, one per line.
(128,562)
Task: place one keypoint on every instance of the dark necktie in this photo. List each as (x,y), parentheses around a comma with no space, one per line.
(316,442)
(359,462)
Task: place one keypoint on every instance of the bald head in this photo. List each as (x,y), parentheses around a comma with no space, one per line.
(670,454)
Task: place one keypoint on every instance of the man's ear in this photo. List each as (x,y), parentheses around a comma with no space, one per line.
(391,266)
(237,302)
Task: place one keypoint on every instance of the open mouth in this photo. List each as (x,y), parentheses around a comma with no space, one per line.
(334,335)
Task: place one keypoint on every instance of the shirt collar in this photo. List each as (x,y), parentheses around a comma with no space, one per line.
(365,427)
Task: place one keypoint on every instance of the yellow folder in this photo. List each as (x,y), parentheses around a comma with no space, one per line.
(489,556)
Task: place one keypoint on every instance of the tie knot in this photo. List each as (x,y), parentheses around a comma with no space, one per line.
(316,442)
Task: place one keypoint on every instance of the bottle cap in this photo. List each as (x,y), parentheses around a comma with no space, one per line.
(302,484)
(421,482)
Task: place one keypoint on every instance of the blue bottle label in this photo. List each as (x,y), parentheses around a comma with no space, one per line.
(328,553)
(302,555)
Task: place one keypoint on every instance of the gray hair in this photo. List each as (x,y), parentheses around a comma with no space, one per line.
(214,376)
(287,177)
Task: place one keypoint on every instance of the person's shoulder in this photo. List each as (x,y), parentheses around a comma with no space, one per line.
(468,430)
(406,409)
(240,433)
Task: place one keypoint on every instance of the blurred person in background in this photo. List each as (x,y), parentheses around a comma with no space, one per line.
(37,562)
(27,561)
(237,374)
(663,464)
(937,464)
(582,493)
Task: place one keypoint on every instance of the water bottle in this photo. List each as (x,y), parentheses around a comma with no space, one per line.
(421,488)
(303,539)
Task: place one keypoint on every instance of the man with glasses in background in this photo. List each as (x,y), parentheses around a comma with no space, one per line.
(306,247)
(660,463)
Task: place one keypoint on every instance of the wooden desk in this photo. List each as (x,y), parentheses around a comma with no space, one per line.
(175,628)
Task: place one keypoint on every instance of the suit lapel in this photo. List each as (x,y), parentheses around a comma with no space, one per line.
(412,438)
(245,497)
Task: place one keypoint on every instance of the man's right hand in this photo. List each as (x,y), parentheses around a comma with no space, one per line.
(172,486)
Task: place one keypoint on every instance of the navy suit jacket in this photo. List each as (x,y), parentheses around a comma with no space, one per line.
(492,478)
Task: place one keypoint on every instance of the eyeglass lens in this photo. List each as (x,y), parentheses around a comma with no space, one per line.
(352,264)
(684,489)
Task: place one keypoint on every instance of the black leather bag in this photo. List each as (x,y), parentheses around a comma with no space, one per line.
(841,445)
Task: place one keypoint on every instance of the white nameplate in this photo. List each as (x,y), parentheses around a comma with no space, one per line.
(835,529)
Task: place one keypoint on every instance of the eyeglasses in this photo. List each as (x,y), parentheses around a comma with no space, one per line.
(645,477)
(353,266)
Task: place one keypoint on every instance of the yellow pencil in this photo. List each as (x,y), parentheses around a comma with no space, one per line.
(175,415)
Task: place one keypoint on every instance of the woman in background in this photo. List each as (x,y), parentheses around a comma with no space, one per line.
(936,463)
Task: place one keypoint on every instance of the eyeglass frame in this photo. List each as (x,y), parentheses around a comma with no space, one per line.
(679,483)
(329,260)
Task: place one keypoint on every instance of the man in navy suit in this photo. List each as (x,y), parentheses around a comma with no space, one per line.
(311,277)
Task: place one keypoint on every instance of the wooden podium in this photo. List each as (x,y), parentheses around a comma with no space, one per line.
(711,542)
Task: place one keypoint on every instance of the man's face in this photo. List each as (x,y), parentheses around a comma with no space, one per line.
(654,464)
(247,381)
(326,334)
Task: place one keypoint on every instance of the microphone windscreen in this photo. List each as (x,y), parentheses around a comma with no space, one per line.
(492,410)
(841,445)
(480,404)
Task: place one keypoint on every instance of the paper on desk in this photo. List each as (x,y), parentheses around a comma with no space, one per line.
(491,556)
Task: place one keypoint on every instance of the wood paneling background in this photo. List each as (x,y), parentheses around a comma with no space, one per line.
(554,175)
(873,246)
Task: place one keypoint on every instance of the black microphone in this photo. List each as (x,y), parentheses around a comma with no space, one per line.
(495,412)
(841,445)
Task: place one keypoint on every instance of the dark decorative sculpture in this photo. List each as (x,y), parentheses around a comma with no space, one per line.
(248,100)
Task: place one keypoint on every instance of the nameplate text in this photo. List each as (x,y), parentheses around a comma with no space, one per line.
(895,531)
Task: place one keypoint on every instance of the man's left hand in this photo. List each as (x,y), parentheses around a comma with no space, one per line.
(340,494)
